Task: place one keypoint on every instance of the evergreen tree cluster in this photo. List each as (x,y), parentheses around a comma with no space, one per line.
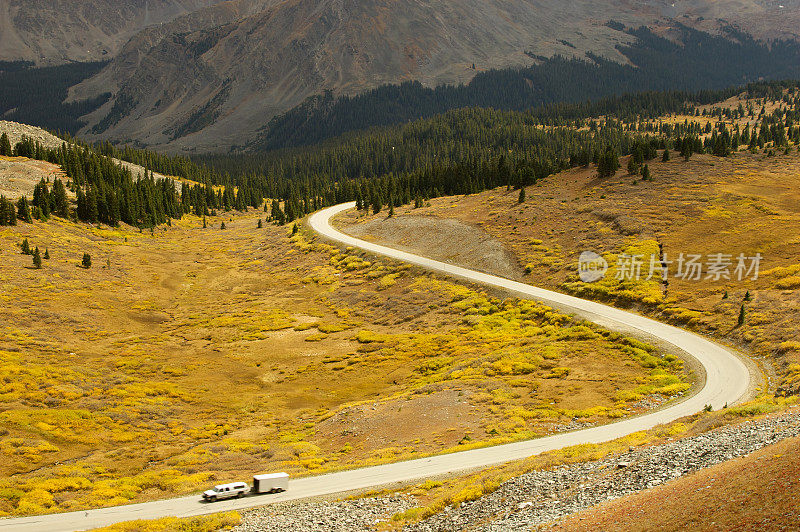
(106,191)
(35,95)
(8,214)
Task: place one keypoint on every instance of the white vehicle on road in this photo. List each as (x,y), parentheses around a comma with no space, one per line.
(226,491)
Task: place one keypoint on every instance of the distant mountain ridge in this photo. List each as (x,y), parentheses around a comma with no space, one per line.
(697,61)
(214,77)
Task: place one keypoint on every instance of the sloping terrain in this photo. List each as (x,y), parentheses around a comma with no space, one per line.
(19,175)
(110,376)
(757,492)
(61,31)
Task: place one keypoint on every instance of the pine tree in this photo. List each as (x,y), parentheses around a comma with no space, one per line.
(37,258)
(747,296)
(58,199)
(608,164)
(26,248)
(260,223)
(222,225)
(646,173)
(8,214)
(295,229)
(86,262)
(5,146)
(666,155)
(686,149)
(41,200)
(23,211)
(521,198)
(633,166)
(92,212)
(391,210)
(46,254)
(740,321)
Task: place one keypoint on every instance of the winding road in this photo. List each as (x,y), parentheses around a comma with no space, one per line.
(727,380)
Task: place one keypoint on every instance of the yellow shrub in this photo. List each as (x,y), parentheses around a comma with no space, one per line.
(206,523)
(789,283)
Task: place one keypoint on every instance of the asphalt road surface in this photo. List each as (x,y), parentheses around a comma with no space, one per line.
(727,380)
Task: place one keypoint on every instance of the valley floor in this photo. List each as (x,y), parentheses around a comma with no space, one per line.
(191,355)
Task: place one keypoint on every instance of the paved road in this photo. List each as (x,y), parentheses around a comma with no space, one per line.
(727,380)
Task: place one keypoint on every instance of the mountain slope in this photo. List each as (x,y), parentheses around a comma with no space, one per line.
(59,31)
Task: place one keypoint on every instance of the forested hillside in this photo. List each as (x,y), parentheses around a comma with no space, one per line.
(471,149)
(693,61)
(35,95)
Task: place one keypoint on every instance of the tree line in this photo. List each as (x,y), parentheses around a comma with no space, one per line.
(459,152)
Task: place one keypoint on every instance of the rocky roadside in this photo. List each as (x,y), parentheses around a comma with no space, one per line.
(342,516)
(540,497)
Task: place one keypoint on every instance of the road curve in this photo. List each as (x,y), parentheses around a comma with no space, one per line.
(727,381)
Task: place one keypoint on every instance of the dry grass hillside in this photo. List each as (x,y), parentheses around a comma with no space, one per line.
(746,203)
(189,355)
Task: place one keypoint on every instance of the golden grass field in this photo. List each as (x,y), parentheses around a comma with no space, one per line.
(188,356)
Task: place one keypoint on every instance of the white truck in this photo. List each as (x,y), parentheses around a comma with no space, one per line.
(225,491)
(270,483)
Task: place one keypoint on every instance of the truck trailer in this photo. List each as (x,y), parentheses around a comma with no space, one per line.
(270,483)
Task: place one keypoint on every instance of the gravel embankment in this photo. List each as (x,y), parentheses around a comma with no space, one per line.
(539,497)
(342,516)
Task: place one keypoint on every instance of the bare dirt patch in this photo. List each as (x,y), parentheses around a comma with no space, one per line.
(446,240)
(440,418)
(19,175)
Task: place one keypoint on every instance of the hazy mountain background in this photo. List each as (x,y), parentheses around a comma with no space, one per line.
(204,75)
